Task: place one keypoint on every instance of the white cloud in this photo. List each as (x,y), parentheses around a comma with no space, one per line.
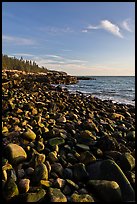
(93,27)
(56,30)
(17,40)
(84,31)
(112,28)
(126,25)
(105,25)
(54,56)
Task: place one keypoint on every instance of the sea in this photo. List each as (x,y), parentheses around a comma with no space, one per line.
(118,89)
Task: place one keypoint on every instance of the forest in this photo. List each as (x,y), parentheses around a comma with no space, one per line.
(12,63)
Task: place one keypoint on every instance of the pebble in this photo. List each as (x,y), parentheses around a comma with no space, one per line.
(56,195)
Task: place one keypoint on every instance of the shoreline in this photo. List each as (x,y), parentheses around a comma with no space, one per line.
(62,146)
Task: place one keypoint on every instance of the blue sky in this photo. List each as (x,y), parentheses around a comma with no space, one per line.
(80,38)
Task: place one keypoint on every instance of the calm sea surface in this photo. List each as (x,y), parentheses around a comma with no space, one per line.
(119,89)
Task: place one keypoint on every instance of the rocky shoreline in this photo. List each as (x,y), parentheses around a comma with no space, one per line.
(64,147)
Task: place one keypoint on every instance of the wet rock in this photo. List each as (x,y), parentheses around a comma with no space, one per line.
(86,134)
(15,153)
(82,146)
(10,189)
(127,162)
(68,173)
(87,157)
(56,141)
(59,183)
(81,198)
(24,185)
(53,157)
(56,195)
(29,171)
(67,190)
(62,119)
(131,177)
(117,116)
(29,135)
(45,183)
(131,135)
(79,172)
(107,143)
(34,197)
(40,172)
(4,175)
(109,170)
(4,129)
(72,184)
(108,191)
(57,168)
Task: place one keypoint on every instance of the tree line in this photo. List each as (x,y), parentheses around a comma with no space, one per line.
(12,63)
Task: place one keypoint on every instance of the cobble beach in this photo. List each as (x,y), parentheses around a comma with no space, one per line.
(59,146)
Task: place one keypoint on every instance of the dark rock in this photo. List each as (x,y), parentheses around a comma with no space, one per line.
(56,195)
(81,198)
(15,153)
(108,191)
(79,172)
(67,173)
(127,162)
(10,189)
(34,197)
(109,170)
(40,172)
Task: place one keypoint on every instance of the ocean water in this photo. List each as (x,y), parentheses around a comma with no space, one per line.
(119,89)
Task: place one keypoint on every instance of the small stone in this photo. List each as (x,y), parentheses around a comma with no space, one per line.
(56,141)
(4,129)
(45,183)
(57,168)
(117,115)
(40,172)
(29,171)
(59,183)
(24,185)
(20,173)
(34,197)
(40,146)
(29,135)
(83,146)
(87,135)
(72,184)
(83,191)
(131,135)
(53,157)
(87,157)
(62,119)
(81,198)
(56,195)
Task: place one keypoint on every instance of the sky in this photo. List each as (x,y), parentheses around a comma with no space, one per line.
(80,38)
